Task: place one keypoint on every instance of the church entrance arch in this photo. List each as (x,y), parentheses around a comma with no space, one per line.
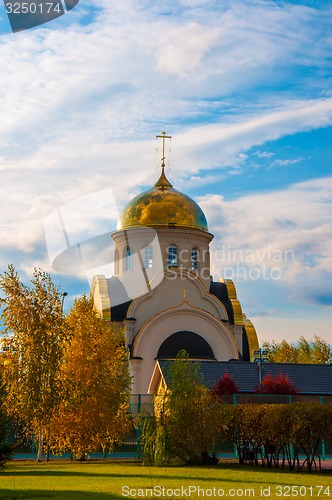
(194,344)
(162,326)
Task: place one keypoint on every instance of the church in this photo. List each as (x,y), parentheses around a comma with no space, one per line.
(162,291)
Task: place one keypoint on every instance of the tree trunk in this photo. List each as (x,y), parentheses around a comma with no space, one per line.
(40,446)
(81,456)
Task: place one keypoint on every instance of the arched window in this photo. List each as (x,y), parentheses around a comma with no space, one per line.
(172,256)
(194,259)
(148,257)
(128,259)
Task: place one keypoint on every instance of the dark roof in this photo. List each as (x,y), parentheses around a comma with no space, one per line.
(119,312)
(219,290)
(245,375)
(308,379)
(119,297)
(245,345)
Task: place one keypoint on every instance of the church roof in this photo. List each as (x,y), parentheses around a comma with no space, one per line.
(163,206)
(308,379)
(219,290)
(119,312)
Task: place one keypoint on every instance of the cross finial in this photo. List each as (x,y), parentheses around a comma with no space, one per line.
(163,136)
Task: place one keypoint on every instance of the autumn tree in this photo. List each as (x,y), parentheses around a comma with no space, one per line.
(275,431)
(186,424)
(282,352)
(272,384)
(311,422)
(234,428)
(6,448)
(32,349)
(243,424)
(268,433)
(225,385)
(321,351)
(317,351)
(192,419)
(95,382)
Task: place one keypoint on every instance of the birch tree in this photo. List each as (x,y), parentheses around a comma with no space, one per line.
(32,349)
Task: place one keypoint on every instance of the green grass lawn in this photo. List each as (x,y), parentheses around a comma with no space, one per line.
(97,480)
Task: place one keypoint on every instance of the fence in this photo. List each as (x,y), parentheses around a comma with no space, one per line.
(143,404)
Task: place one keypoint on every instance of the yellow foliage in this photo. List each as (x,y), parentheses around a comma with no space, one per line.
(95,384)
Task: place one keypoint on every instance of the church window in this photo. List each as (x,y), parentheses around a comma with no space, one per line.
(194,259)
(148,257)
(172,259)
(128,259)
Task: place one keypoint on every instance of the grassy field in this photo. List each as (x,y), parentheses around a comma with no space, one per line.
(97,480)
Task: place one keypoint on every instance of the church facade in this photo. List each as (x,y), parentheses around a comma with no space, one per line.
(162,290)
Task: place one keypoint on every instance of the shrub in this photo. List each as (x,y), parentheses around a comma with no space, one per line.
(226,385)
(280,384)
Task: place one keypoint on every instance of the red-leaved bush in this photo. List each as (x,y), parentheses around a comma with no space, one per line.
(226,385)
(272,384)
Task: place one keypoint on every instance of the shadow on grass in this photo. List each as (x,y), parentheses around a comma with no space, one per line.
(149,472)
(63,494)
(219,474)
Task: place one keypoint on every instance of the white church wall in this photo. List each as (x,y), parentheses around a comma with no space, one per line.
(163,325)
(170,293)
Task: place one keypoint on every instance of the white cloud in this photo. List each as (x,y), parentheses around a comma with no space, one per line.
(264,154)
(285,234)
(285,162)
(104,77)
(224,141)
(70,166)
(80,106)
(182,48)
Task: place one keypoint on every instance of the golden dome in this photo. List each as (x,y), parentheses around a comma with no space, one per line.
(161,206)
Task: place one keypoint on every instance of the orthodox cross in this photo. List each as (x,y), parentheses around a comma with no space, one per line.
(163,136)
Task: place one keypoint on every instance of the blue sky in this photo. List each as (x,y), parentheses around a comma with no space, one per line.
(244,88)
